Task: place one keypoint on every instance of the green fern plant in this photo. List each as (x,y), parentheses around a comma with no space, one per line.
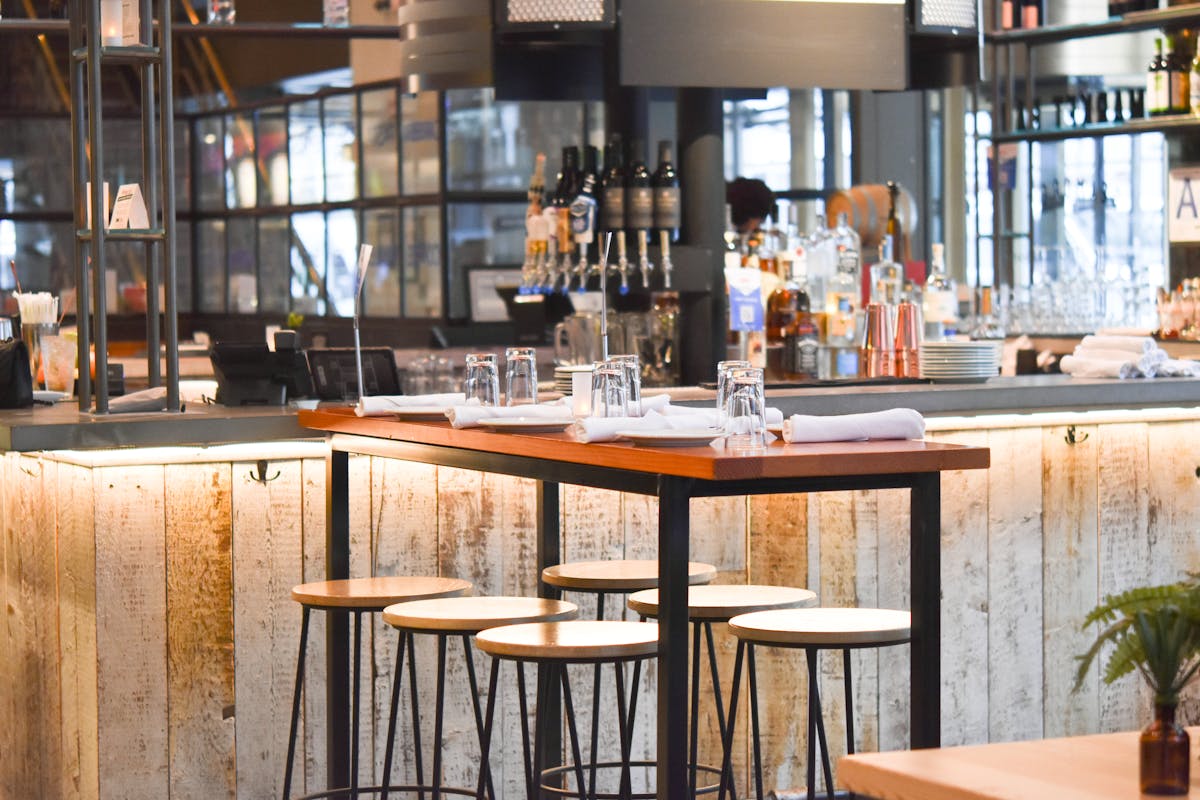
(1154,630)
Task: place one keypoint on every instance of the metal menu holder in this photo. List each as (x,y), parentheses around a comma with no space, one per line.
(153,62)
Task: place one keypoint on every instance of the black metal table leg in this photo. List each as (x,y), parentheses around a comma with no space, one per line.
(925,565)
(548,733)
(337,624)
(673,504)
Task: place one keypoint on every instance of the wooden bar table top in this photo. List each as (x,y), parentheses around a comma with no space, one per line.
(674,475)
(1100,767)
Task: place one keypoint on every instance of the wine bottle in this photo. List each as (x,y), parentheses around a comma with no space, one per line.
(612,187)
(893,228)
(1157,97)
(665,183)
(639,196)
(1178,79)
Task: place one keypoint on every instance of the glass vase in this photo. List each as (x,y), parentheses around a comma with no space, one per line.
(1163,762)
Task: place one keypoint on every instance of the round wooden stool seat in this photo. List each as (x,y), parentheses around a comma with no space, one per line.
(824,627)
(576,640)
(619,575)
(719,603)
(475,614)
(375,594)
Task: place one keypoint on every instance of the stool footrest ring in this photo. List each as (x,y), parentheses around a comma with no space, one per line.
(397,787)
(560,791)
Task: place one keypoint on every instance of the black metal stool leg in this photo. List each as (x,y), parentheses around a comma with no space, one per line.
(849,703)
(569,709)
(595,741)
(466,640)
(526,750)
(355,705)
(757,735)
(625,729)
(416,713)
(291,754)
(727,739)
(397,680)
(715,674)
(815,692)
(811,745)
(440,701)
(694,723)
(485,735)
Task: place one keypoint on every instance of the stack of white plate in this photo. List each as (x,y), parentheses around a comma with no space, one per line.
(562,377)
(960,361)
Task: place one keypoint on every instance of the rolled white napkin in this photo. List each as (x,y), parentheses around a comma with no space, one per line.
(1084,367)
(1177,368)
(468,416)
(153,399)
(605,429)
(774,415)
(895,423)
(656,403)
(1134,344)
(391,403)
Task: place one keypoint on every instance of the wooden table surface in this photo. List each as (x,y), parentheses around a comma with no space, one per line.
(1093,767)
(778,460)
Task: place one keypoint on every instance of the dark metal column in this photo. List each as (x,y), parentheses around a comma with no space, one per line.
(337,624)
(548,735)
(673,533)
(702,187)
(925,569)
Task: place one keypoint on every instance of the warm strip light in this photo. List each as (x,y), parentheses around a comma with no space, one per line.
(1058,418)
(144,456)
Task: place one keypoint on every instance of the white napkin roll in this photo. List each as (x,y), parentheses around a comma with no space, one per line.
(153,399)
(895,423)
(1123,356)
(605,429)
(1177,368)
(1084,367)
(1134,344)
(774,415)
(468,416)
(391,403)
(655,403)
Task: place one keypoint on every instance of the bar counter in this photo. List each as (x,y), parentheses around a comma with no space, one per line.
(149,641)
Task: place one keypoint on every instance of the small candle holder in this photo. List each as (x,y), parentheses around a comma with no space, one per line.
(111,28)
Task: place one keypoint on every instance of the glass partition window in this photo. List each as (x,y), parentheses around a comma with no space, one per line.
(380,143)
(340,127)
(381,287)
(306,152)
(209,163)
(422,261)
(241,169)
(273,265)
(419,143)
(211,265)
(308,263)
(482,235)
(271,137)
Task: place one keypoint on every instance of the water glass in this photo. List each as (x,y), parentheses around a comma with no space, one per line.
(745,412)
(336,12)
(724,368)
(610,394)
(222,12)
(633,381)
(520,376)
(59,356)
(483,381)
(33,333)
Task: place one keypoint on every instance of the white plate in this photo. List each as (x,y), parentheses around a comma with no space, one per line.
(681,438)
(47,396)
(527,424)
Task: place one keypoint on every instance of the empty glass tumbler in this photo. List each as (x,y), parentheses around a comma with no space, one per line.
(222,12)
(746,410)
(633,381)
(336,12)
(520,376)
(724,368)
(482,381)
(610,393)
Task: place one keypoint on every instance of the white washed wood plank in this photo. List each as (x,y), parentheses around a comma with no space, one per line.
(311,773)
(1123,471)
(1174,486)
(77,632)
(894,592)
(267,554)
(131,632)
(200,687)
(965,664)
(1070,568)
(1014,597)
(362,564)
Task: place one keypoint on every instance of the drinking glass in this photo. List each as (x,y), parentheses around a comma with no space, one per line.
(633,381)
(222,12)
(336,13)
(59,355)
(723,370)
(33,333)
(483,381)
(610,394)
(520,376)
(745,413)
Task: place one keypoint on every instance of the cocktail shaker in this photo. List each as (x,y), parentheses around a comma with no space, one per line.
(908,340)
(879,342)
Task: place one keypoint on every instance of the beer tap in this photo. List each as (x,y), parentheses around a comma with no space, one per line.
(664,241)
(622,262)
(644,265)
(583,227)
(546,273)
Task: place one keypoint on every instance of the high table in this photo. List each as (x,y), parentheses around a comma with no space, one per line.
(1101,767)
(674,476)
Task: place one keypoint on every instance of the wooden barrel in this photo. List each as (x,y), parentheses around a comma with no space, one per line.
(866,208)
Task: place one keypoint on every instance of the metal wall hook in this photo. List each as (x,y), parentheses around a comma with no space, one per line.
(1073,438)
(261,468)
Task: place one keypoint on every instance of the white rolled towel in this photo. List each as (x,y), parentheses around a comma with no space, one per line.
(153,399)
(1177,368)
(391,403)
(1134,344)
(605,429)
(774,415)
(468,416)
(895,423)
(1152,356)
(1084,367)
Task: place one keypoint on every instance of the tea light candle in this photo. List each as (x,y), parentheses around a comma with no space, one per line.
(110,22)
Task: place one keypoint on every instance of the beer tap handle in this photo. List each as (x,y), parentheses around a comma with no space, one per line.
(664,241)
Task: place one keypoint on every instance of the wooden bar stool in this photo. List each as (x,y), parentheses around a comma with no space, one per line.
(813,629)
(462,617)
(357,596)
(706,605)
(557,644)
(616,576)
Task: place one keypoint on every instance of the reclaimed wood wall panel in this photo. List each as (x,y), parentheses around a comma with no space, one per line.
(311,773)
(200,658)
(1070,569)
(892,580)
(1014,584)
(131,640)
(267,554)
(76,523)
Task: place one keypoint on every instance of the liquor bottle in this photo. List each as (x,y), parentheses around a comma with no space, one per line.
(802,343)
(843,290)
(1179,74)
(537,186)
(940,303)
(1193,87)
(612,187)
(987,326)
(1033,13)
(893,228)
(535,231)
(583,224)
(565,190)
(639,209)
(822,256)
(1157,90)
(665,183)
(887,277)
